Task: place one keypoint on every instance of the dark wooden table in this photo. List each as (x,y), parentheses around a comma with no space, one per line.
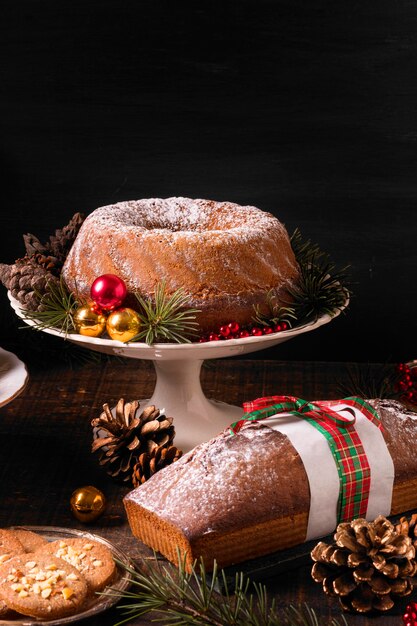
(45,438)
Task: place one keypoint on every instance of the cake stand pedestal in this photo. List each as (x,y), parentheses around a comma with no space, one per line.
(178,389)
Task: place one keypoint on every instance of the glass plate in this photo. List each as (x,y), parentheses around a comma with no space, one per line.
(98,603)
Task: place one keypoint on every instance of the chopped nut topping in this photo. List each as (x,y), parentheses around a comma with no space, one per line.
(5,557)
(97,563)
(45,583)
(67,592)
(51,567)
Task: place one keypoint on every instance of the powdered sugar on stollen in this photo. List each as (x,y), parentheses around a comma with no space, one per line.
(217,482)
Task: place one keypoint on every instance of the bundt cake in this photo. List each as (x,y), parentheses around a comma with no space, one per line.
(226,257)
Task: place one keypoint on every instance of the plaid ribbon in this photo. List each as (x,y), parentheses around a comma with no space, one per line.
(344,442)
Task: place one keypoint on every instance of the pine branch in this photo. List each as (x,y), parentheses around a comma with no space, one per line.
(322,289)
(181,597)
(371,381)
(166,318)
(276,313)
(57,308)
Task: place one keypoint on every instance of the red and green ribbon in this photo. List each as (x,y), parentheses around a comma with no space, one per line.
(344,442)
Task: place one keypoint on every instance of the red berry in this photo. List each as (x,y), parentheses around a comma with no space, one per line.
(267,330)
(284,325)
(256,332)
(277,328)
(213,337)
(224,331)
(202,340)
(233,327)
(410,616)
(243,334)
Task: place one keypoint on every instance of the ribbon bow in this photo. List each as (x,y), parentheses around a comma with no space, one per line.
(339,430)
(272,405)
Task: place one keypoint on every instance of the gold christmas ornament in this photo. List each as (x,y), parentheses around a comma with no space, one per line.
(88,322)
(123,324)
(87,503)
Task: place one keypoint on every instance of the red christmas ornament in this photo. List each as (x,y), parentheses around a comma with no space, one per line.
(267,330)
(410,615)
(108,292)
(256,331)
(243,334)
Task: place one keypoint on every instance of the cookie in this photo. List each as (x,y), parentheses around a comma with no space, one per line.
(4,609)
(41,585)
(31,541)
(10,545)
(93,559)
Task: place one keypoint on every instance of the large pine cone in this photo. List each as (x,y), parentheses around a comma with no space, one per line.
(408,527)
(122,436)
(27,281)
(58,245)
(149,463)
(29,277)
(368,567)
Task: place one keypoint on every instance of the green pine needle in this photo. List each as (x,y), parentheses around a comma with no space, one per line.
(166,318)
(322,289)
(276,313)
(371,381)
(179,597)
(58,307)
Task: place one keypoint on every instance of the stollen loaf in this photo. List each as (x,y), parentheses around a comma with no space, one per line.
(246,494)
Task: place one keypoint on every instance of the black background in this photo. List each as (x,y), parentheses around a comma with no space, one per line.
(305,109)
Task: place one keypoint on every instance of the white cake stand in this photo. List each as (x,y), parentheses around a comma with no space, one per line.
(178,389)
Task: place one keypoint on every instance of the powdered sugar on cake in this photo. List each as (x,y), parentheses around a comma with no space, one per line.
(224,256)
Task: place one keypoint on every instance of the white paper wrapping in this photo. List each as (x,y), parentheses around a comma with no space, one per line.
(321,469)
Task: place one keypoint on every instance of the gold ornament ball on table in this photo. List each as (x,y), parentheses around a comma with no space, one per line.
(88,322)
(123,324)
(87,503)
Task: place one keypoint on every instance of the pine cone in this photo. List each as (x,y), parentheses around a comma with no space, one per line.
(368,567)
(61,242)
(149,463)
(408,528)
(121,438)
(28,282)
(55,251)
(28,278)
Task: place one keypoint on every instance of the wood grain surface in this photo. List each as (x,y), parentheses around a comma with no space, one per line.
(305,109)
